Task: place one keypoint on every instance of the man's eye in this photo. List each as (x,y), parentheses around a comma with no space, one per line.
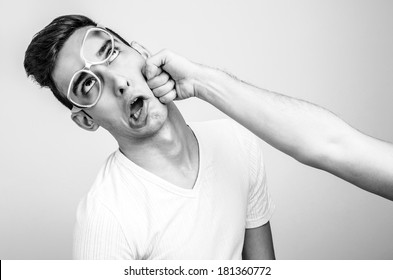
(87,85)
(114,55)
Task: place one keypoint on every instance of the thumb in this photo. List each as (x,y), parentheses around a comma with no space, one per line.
(150,70)
(157,61)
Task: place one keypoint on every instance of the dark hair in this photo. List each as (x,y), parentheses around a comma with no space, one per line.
(41,54)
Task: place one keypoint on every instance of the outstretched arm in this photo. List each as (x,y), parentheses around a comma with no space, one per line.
(306,132)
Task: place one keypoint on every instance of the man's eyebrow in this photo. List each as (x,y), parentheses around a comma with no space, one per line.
(104,47)
(80,78)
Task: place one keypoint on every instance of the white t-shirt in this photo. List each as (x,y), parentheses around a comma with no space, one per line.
(130,213)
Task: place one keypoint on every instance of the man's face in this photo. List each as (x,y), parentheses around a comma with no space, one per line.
(124,90)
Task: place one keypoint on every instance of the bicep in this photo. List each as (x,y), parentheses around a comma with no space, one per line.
(363,161)
(258,243)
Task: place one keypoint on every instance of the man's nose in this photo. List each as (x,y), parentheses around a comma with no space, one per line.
(118,83)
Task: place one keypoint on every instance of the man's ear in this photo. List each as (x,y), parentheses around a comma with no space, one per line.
(140,49)
(84,121)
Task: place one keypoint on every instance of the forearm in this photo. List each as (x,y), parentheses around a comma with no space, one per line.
(308,133)
(258,244)
(296,127)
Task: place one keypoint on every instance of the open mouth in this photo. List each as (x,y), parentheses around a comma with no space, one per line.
(136,108)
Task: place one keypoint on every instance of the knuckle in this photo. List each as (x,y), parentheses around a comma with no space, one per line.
(156,92)
(163,99)
(164,78)
(165,75)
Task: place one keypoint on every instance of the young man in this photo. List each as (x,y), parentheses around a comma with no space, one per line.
(308,133)
(171,191)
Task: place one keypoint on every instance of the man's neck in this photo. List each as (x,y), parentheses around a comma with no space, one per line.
(173,149)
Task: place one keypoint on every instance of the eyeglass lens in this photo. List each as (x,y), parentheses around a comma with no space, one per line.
(96,49)
(97,46)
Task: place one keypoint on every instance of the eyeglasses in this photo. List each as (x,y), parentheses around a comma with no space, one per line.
(98,47)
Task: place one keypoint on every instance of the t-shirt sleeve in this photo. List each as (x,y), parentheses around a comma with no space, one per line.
(98,235)
(260,205)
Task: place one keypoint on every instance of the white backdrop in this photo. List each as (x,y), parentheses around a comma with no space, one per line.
(337,54)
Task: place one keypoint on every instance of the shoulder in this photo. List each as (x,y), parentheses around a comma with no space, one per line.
(214,136)
(113,176)
(105,190)
(219,129)
(227,131)
(211,126)
(92,206)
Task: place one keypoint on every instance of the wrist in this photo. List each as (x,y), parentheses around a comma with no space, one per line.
(213,85)
(205,81)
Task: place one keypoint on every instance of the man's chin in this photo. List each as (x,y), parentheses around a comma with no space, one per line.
(149,125)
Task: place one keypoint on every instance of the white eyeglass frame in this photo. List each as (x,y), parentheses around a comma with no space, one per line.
(136,46)
(88,64)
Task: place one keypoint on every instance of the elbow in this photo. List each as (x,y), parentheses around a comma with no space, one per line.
(322,148)
(324,155)
(310,157)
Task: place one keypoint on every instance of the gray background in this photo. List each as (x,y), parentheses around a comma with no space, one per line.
(337,54)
